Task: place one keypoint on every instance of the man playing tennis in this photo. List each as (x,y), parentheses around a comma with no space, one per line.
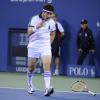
(41,31)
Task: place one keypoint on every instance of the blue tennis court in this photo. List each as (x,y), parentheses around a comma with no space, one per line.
(19,94)
(13,87)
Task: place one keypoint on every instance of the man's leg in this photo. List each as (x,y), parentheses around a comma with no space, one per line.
(91,59)
(57,60)
(57,63)
(47,74)
(81,58)
(31,67)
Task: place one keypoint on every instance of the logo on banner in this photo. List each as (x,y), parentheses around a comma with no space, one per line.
(81,71)
(23,39)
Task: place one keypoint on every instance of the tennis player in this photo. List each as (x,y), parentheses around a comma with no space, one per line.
(41,32)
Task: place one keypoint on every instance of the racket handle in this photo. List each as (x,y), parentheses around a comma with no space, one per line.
(94,94)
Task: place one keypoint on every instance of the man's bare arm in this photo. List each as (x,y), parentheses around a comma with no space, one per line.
(52,36)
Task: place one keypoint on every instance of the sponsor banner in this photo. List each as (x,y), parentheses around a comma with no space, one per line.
(80,71)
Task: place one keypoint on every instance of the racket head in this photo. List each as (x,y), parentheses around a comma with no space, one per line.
(79,86)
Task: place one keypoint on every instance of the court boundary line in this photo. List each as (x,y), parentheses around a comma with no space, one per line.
(12,88)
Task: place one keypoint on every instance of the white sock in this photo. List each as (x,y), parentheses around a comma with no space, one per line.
(47,78)
(56,71)
(29,78)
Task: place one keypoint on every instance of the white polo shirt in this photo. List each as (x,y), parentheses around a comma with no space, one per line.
(41,37)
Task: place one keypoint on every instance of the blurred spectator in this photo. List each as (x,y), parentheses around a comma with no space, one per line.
(57,43)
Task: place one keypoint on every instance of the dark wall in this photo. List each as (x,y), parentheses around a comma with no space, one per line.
(70,12)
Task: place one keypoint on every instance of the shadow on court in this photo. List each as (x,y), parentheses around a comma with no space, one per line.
(21,94)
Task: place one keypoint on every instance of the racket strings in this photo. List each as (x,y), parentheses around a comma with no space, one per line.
(79,87)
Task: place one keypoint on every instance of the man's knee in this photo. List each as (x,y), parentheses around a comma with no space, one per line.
(31,66)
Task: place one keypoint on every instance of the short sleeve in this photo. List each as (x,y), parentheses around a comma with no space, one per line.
(60,27)
(32,22)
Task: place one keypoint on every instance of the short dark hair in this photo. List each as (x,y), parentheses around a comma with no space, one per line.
(48,7)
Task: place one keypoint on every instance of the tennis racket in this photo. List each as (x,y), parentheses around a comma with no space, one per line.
(80,86)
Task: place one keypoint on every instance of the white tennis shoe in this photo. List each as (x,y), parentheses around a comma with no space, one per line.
(49,91)
(31,89)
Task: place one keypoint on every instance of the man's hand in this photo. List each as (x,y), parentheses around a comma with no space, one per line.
(80,50)
(39,25)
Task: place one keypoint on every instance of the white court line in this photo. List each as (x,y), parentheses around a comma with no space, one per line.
(42,90)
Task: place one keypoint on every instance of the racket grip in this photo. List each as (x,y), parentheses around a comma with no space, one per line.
(94,94)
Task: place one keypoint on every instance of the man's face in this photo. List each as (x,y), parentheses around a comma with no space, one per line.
(46,15)
(84,26)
